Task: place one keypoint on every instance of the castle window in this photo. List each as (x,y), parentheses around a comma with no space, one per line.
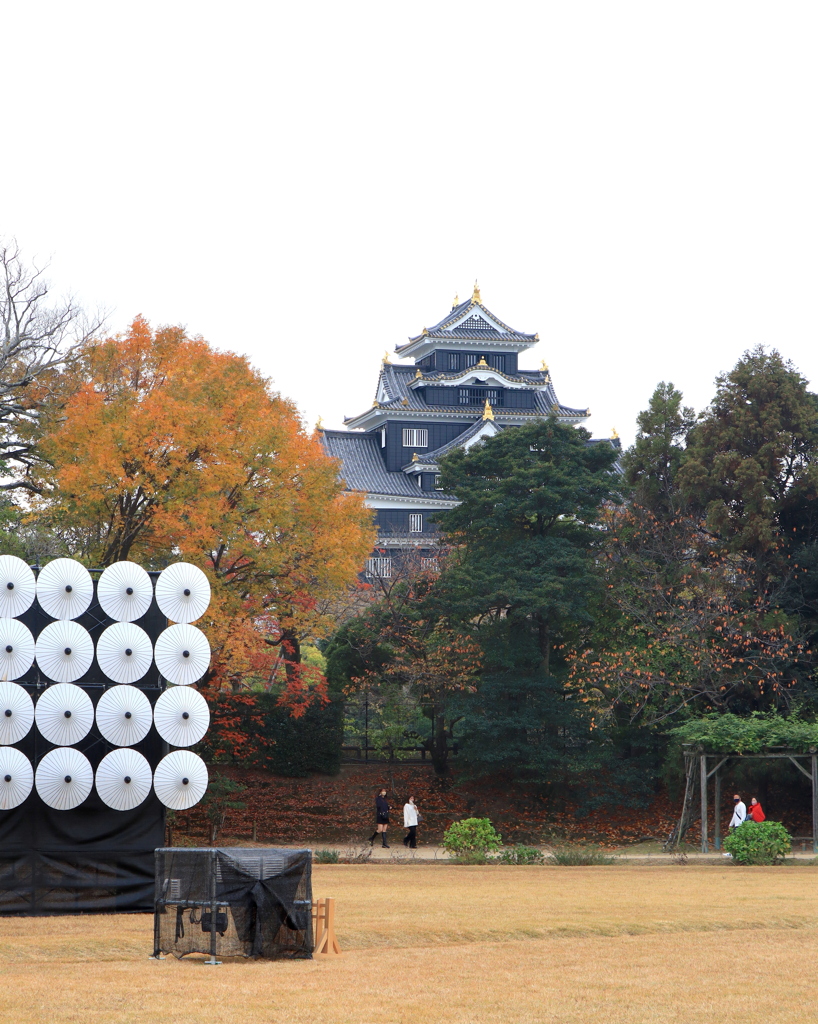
(415,522)
(472,359)
(454,360)
(413,438)
(429,565)
(477,323)
(381,568)
(437,482)
(498,362)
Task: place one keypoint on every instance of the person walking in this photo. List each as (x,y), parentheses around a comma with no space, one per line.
(410,821)
(739,811)
(755,812)
(381,819)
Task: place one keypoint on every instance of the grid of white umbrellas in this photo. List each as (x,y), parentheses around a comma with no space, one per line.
(64,713)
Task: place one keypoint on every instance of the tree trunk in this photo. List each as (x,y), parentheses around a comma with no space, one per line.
(438,745)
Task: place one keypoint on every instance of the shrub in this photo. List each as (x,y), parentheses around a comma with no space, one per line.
(472,857)
(759,842)
(327,856)
(579,856)
(471,835)
(522,855)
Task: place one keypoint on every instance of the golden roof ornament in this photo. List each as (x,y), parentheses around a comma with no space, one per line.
(386,358)
(418,374)
(404,401)
(320,424)
(456,302)
(425,330)
(614,434)
(488,412)
(415,457)
(376,405)
(483,362)
(544,366)
(476,293)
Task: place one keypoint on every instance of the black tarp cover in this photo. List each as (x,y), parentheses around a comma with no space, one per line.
(264,899)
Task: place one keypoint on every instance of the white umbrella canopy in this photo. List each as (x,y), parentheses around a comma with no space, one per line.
(64,714)
(16,777)
(64,778)
(123,779)
(16,713)
(182,654)
(124,652)
(183,592)
(16,649)
(124,591)
(180,780)
(64,588)
(65,651)
(181,716)
(124,715)
(17,586)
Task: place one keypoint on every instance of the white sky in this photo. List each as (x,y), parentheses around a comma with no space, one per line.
(311,183)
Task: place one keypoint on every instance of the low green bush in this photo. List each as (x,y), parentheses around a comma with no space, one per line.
(471,835)
(520,854)
(759,842)
(327,856)
(473,857)
(579,856)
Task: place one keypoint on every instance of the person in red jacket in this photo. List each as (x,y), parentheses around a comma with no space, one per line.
(754,811)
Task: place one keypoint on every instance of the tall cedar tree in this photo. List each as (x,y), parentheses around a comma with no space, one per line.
(752,460)
(160,448)
(652,464)
(522,576)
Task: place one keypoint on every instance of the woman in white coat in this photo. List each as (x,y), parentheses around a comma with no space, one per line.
(410,821)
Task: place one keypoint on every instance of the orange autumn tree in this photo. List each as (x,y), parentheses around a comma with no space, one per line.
(159,447)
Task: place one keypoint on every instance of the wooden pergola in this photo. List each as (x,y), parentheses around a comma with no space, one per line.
(698,772)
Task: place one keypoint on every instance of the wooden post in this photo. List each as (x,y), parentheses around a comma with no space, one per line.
(717,812)
(815,803)
(323,916)
(703,786)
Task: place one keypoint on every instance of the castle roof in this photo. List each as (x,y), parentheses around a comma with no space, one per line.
(470,322)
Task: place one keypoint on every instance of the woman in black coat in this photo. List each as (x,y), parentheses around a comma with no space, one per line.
(381,819)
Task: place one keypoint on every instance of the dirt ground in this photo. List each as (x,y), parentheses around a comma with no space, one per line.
(439,944)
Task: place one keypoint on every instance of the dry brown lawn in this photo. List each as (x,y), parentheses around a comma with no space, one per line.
(461,945)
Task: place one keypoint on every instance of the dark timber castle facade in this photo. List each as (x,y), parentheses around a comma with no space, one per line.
(462,385)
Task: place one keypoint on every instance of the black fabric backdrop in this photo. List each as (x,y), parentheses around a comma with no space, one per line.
(92,858)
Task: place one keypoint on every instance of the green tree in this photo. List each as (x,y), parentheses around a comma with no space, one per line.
(753,456)
(652,464)
(523,576)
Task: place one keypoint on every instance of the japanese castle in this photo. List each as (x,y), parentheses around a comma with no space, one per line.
(462,385)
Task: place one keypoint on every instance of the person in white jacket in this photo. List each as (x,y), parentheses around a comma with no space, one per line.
(739,812)
(410,821)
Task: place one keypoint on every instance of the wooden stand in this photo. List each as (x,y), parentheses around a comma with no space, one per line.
(323,926)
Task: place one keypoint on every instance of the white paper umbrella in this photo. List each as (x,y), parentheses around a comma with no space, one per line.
(64,778)
(123,779)
(124,715)
(16,649)
(16,777)
(64,714)
(124,652)
(17,586)
(64,588)
(180,780)
(16,713)
(181,716)
(124,591)
(65,651)
(183,592)
(182,654)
